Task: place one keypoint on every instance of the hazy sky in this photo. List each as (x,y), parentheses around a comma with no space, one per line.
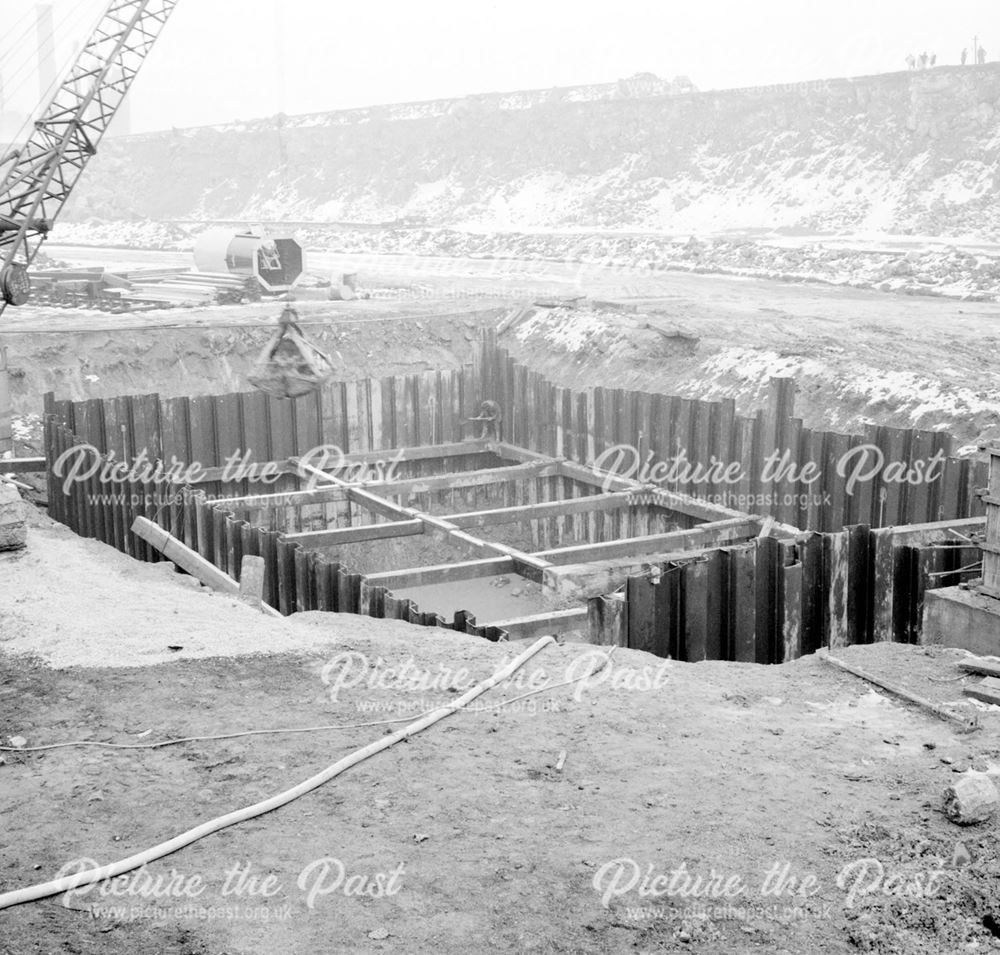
(220,60)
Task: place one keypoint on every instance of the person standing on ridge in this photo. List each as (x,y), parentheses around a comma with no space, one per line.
(965,55)
(911,62)
(982,55)
(933,59)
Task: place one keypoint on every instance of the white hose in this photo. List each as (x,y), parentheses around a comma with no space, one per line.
(90,876)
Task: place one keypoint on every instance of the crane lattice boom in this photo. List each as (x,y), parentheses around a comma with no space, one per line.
(37,179)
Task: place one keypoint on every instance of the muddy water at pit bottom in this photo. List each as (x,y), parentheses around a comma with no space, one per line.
(481,597)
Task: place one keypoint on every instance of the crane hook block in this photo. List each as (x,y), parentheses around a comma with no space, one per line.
(290,366)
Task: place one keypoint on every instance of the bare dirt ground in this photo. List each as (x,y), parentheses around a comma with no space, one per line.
(720,772)
(858,356)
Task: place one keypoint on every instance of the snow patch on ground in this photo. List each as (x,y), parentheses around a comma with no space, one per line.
(577,330)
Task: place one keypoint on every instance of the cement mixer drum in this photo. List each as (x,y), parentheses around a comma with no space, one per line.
(277,262)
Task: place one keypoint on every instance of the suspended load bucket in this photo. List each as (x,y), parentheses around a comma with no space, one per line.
(290,366)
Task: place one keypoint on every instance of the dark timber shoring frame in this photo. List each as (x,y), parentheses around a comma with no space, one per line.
(728,585)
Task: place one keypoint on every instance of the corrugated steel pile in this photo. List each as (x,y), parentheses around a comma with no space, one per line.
(140,289)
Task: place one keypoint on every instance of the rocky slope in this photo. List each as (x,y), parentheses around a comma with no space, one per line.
(904,152)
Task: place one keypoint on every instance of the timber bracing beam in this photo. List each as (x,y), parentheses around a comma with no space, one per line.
(437,527)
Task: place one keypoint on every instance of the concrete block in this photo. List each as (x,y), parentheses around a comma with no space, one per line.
(954,617)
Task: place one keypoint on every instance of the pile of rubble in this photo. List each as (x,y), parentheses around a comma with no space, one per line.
(131,291)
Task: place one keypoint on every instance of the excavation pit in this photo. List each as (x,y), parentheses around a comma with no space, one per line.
(378,500)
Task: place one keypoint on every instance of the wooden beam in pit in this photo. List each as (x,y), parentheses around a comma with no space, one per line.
(538,625)
(718,533)
(529,512)
(582,581)
(435,482)
(338,536)
(421,453)
(21,465)
(657,496)
(442,573)
(437,527)
(512,452)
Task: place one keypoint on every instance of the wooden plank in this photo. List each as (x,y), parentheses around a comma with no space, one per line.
(700,536)
(21,465)
(354,438)
(146,432)
(90,427)
(741,603)
(326,600)
(335,426)
(981,666)
(768,617)
(286,576)
(920,496)
(863,497)
(174,421)
(682,503)
(268,546)
(229,427)
(953,483)
(220,549)
(305,581)
(787,489)
(442,573)
(539,625)
(391,435)
(697,623)
(835,448)
(860,591)
(187,559)
(363,532)
(838,582)
(743,438)
(256,435)
(408,415)
(991,555)
(896,448)
(201,424)
(817,510)
(888,567)
(406,454)
(435,526)
(541,510)
(668,638)
(607,618)
(814,589)
(641,597)
(453,480)
(701,433)
(791,618)
(984,693)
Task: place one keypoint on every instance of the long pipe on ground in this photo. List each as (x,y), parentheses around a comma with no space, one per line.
(966,725)
(91,876)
